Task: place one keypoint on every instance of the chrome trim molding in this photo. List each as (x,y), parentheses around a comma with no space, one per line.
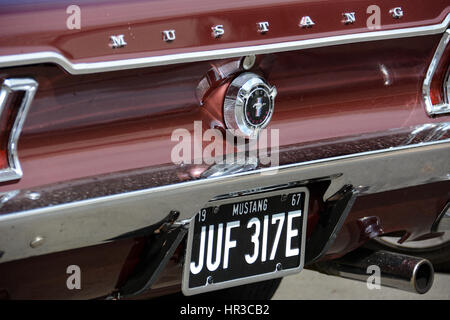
(95,67)
(94,221)
(338,213)
(442,222)
(29,86)
(442,108)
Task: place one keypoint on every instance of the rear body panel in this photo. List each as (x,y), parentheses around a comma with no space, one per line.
(96,146)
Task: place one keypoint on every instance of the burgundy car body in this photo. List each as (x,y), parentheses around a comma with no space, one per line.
(97,178)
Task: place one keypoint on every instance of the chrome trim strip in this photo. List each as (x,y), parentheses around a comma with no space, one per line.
(94,221)
(339,212)
(442,222)
(95,67)
(431,108)
(9,85)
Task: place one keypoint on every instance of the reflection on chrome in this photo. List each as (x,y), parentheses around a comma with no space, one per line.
(429,132)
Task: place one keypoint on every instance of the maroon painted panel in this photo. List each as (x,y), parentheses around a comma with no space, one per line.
(408,212)
(33,27)
(45,277)
(87,125)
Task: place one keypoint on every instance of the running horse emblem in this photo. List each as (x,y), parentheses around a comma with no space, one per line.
(258,106)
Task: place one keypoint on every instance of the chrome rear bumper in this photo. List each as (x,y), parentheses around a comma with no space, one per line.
(93,221)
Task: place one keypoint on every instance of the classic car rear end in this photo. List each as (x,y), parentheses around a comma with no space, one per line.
(151,147)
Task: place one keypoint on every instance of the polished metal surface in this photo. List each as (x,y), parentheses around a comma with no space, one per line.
(349,17)
(93,221)
(169,35)
(118,41)
(29,87)
(263,27)
(396,13)
(104,66)
(153,268)
(218,31)
(248,62)
(223,169)
(237,104)
(306,22)
(442,223)
(399,271)
(447,85)
(442,108)
(324,235)
(37,241)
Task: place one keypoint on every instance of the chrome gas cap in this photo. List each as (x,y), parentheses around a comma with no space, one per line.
(249,104)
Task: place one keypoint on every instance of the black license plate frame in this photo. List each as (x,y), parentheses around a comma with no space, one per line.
(226,212)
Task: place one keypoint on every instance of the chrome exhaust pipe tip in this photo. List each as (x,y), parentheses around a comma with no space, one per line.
(398,271)
(423,276)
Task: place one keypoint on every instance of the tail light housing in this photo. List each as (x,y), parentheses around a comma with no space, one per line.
(436,87)
(16,96)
